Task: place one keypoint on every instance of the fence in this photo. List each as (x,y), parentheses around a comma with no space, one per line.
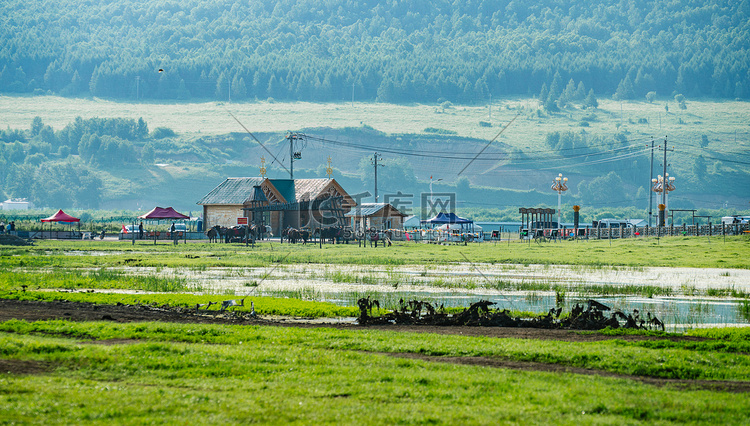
(652,231)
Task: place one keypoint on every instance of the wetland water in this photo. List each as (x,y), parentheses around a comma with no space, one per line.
(680,297)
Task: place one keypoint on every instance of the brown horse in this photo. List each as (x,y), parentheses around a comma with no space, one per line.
(214,233)
(293,235)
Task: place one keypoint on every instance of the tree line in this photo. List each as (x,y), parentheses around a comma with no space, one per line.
(50,167)
(396,51)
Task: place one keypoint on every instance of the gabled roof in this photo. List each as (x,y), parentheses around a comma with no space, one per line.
(309,189)
(241,191)
(285,188)
(235,191)
(370,209)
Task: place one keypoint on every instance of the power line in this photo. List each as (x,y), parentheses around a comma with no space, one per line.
(452,155)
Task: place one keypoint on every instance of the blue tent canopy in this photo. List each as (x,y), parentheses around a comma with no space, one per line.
(443,218)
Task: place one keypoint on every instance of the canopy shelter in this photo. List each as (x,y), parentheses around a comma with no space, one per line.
(162,213)
(443,218)
(61,216)
(452,221)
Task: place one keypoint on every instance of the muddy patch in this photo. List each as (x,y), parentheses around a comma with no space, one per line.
(23,367)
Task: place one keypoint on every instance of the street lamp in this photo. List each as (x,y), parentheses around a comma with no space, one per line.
(436,180)
(559,186)
(664,188)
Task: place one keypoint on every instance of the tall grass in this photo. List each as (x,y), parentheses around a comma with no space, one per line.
(102,279)
(588,255)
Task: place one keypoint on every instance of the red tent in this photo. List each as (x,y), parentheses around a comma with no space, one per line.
(163,213)
(61,216)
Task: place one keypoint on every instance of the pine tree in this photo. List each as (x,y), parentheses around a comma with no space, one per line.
(590,101)
(222,87)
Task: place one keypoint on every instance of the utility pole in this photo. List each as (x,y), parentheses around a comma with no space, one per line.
(375,159)
(293,155)
(650,192)
(490,107)
(291,137)
(664,193)
(665,185)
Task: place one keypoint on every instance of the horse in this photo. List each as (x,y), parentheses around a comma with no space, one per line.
(214,234)
(304,234)
(293,235)
(334,233)
(241,233)
(374,237)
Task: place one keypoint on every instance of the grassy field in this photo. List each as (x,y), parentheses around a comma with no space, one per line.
(65,372)
(201,374)
(719,120)
(704,252)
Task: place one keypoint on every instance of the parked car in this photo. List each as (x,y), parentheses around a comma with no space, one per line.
(127,229)
(179,228)
(612,223)
(731,220)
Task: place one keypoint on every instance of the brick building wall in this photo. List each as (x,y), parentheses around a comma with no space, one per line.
(222,215)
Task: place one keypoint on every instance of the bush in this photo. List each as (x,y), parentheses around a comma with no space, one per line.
(440,131)
(163,132)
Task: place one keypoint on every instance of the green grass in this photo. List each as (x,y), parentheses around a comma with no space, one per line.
(263,305)
(193,373)
(188,373)
(71,279)
(671,251)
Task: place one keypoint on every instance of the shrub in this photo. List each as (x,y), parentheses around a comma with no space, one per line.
(162,132)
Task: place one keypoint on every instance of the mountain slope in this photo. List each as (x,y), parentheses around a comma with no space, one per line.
(395,51)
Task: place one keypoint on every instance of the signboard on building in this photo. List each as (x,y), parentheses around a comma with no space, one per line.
(241,221)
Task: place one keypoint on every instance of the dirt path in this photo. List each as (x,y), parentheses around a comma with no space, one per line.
(76,311)
(36,311)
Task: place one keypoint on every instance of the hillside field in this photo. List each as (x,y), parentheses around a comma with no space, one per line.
(719,120)
(425,140)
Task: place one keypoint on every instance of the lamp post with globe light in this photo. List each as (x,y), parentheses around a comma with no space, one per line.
(664,187)
(560,186)
(431,180)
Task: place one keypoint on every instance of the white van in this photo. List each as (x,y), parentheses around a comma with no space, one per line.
(731,220)
(612,223)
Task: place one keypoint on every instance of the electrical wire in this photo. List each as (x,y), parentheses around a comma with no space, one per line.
(452,155)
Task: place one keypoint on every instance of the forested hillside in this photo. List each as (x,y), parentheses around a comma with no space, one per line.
(391,51)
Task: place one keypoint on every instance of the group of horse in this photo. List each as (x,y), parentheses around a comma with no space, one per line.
(333,235)
(238,233)
(336,235)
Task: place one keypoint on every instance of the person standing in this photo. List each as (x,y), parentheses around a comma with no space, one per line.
(174,234)
(140,231)
(2,227)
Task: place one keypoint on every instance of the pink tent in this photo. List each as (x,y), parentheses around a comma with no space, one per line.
(61,216)
(163,213)
(160,213)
